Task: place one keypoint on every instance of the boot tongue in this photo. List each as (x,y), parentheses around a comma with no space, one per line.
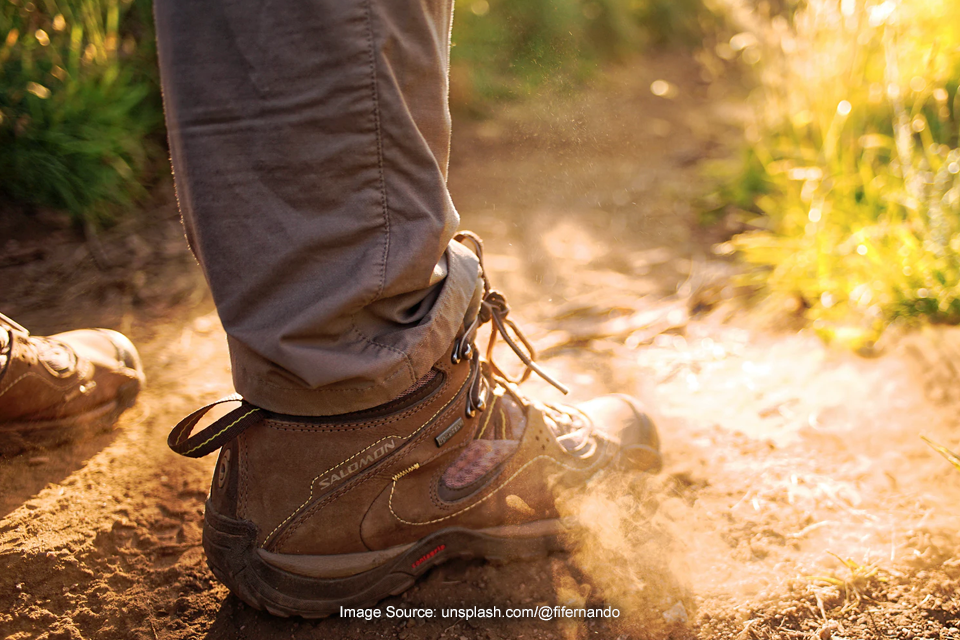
(499,434)
(504,420)
(507,421)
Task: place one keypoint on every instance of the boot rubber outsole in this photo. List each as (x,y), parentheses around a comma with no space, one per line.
(235,560)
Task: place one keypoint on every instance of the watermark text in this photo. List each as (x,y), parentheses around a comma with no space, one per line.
(541,612)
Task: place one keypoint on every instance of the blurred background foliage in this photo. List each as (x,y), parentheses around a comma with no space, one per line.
(850,163)
(80,114)
(505,49)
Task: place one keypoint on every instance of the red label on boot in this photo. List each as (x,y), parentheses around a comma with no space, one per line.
(428,556)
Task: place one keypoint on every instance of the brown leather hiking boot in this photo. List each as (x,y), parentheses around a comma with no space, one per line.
(61,387)
(306,515)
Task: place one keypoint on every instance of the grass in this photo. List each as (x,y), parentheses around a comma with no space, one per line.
(950,456)
(79,104)
(852,168)
(854,585)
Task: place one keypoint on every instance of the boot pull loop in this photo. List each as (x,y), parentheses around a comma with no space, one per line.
(217,434)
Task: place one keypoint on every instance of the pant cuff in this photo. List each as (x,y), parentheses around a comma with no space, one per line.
(403,357)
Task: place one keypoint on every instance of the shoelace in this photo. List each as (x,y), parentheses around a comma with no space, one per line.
(572,429)
(494,309)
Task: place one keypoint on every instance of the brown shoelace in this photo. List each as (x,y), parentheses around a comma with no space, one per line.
(571,427)
(493,309)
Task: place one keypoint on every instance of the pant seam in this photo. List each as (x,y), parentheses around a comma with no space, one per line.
(384,202)
(446,102)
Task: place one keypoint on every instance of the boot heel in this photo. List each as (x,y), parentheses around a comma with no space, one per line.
(235,560)
(228,543)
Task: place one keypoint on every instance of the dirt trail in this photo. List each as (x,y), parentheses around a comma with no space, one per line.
(797,501)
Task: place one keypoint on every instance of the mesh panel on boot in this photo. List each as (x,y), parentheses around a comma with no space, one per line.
(479,457)
(501,427)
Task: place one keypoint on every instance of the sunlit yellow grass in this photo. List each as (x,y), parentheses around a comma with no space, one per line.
(855,140)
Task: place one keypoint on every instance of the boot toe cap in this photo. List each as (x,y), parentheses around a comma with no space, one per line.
(625,420)
(126,352)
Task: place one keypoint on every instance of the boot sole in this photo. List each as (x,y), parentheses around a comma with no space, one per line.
(18,437)
(316,587)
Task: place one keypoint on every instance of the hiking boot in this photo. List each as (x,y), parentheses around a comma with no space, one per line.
(310,514)
(62,387)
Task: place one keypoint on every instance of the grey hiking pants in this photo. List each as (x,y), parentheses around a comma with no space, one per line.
(310,141)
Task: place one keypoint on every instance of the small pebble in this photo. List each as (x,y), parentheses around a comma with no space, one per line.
(826,632)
